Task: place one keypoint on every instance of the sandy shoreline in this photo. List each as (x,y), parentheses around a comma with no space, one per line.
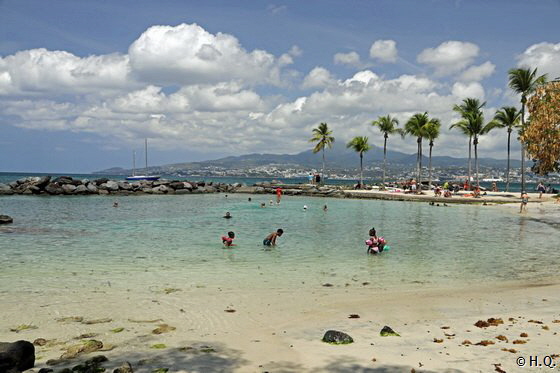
(281,330)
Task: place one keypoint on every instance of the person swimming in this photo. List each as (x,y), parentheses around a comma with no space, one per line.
(304,207)
(227,215)
(270,240)
(228,240)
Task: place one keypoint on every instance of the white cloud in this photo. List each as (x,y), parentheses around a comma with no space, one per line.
(544,56)
(319,77)
(188,54)
(449,57)
(38,71)
(350,59)
(384,50)
(476,73)
(464,90)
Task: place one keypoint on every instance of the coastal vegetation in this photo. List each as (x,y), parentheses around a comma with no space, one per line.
(360,145)
(388,126)
(508,117)
(542,136)
(432,133)
(322,136)
(524,81)
(416,126)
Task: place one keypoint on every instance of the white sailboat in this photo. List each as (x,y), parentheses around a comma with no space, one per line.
(135,177)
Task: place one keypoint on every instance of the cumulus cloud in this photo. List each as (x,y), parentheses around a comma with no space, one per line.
(319,77)
(350,59)
(449,57)
(188,54)
(544,56)
(476,73)
(39,71)
(464,90)
(384,50)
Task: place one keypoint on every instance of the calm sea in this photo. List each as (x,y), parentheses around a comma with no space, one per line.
(58,243)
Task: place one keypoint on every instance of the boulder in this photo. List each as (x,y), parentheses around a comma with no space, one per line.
(100,181)
(336,337)
(17,356)
(112,185)
(102,191)
(43,182)
(63,180)
(259,189)
(147,190)
(68,188)
(81,189)
(13,184)
(124,185)
(5,219)
(53,188)
(160,189)
(91,188)
(157,183)
(188,185)
(211,189)
(183,191)
(177,185)
(388,332)
(5,189)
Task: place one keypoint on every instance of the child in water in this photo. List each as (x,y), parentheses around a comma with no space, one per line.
(375,244)
(228,240)
(270,240)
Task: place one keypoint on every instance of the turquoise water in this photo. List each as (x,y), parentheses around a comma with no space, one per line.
(150,241)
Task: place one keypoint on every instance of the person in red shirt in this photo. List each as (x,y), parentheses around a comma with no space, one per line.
(278,195)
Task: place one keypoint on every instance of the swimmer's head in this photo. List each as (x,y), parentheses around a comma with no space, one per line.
(231,234)
(305,207)
(372,232)
(280,231)
(228,214)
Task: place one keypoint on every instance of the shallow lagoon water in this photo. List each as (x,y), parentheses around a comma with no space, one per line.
(59,243)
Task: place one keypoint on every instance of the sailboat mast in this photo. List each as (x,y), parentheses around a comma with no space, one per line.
(146,153)
(134,163)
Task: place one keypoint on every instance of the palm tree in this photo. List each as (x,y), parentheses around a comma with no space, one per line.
(388,126)
(469,105)
(416,127)
(524,81)
(474,123)
(432,133)
(360,145)
(507,117)
(322,137)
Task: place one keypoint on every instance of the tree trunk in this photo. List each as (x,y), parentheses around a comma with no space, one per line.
(476,160)
(384,159)
(323,170)
(522,146)
(470,168)
(361,171)
(430,167)
(507,172)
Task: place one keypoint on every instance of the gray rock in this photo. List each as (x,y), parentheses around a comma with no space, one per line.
(13,184)
(63,180)
(100,181)
(102,191)
(102,186)
(43,182)
(160,189)
(211,189)
(68,188)
(112,185)
(259,189)
(53,188)
(124,185)
(188,185)
(91,188)
(177,185)
(16,357)
(81,189)
(5,219)
(147,190)
(183,191)
(336,337)
(5,189)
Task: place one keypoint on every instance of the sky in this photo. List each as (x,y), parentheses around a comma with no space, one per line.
(82,84)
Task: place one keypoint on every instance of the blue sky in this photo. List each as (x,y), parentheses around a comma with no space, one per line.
(82,83)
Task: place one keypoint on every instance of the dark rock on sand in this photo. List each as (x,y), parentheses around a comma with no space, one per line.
(5,219)
(103,180)
(388,332)
(16,357)
(336,337)
(125,368)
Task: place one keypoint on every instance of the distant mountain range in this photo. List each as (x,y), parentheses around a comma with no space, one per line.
(337,158)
